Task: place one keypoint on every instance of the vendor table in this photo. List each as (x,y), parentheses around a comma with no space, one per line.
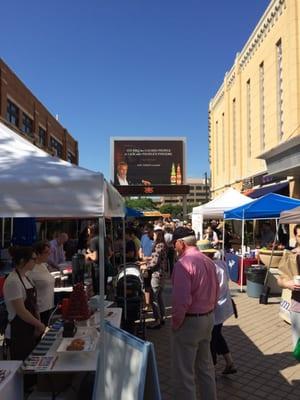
(234,265)
(12,385)
(63,362)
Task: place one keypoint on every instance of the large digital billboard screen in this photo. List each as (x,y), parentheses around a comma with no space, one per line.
(148,161)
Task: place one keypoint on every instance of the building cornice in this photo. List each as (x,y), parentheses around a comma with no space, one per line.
(259,34)
(261,30)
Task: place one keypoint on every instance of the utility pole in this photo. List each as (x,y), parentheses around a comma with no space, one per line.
(206,187)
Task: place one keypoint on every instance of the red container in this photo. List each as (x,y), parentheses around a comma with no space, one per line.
(2,280)
(65,307)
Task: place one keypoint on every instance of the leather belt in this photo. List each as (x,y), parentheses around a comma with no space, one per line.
(198,315)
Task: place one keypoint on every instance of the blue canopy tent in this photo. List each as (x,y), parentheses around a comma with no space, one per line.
(266,207)
(131,212)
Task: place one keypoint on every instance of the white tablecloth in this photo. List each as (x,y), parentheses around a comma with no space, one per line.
(12,387)
(81,361)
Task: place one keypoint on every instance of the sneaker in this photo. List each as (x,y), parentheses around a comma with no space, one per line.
(229,369)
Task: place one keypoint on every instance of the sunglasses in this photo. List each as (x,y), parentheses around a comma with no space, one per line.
(33,258)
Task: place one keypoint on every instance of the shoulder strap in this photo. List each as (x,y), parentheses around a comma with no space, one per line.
(20,278)
(31,283)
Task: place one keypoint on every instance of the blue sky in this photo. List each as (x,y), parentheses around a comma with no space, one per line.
(127,67)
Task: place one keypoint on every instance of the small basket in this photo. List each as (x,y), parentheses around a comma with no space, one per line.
(265,257)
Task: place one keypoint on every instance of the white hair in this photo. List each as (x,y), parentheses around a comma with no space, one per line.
(190,240)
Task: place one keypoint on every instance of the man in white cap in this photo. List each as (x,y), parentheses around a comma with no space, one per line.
(194,297)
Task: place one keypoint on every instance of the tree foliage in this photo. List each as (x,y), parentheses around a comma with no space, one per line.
(141,204)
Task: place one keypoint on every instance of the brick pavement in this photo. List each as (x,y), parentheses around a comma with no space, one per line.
(260,342)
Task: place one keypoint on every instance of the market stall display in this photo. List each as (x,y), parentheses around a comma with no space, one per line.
(266,207)
(52,355)
(215,208)
(234,264)
(62,190)
(11,380)
(78,305)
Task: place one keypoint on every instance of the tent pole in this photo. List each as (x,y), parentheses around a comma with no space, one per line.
(124,266)
(101,266)
(242,261)
(3,231)
(201,227)
(112,243)
(277,230)
(223,244)
(11,228)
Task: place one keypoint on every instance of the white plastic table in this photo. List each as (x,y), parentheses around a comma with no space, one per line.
(81,361)
(12,386)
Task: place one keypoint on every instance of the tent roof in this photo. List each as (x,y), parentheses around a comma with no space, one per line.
(34,184)
(268,206)
(216,207)
(291,216)
(132,212)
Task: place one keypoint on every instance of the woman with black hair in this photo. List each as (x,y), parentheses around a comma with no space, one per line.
(24,325)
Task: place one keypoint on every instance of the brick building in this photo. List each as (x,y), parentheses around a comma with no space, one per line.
(25,114)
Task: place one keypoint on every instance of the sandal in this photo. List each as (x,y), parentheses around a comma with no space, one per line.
(229,369)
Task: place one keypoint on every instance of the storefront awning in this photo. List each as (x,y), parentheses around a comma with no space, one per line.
(275,188)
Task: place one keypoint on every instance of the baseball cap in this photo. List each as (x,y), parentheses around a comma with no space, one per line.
(182,232)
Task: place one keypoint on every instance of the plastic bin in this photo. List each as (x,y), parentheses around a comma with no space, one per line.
(255,280)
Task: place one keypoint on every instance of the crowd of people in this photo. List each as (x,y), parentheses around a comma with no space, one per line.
(201,300)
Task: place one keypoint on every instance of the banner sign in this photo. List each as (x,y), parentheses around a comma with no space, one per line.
(148,161)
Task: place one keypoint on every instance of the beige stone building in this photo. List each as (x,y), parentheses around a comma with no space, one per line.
(199,193)
(254,118)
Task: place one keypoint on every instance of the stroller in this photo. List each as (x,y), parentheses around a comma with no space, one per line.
(135,321)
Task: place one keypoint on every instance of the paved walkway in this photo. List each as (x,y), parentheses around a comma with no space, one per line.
(260,343)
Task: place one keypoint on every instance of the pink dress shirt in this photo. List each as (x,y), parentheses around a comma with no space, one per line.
(195,286)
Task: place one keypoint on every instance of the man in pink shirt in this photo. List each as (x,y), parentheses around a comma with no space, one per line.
(194,297)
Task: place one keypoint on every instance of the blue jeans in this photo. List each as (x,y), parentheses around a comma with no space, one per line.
(295,323)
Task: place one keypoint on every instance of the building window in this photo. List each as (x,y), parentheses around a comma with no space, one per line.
(56,147)
(42,137)
(27,125)
(12,113)
(248,118)
(262,105)
(217,147)
(223,142)
(70,157)
(234,131)
(279,90)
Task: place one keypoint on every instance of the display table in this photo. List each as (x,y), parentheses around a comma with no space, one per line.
(75,361)
(234,265)
(12,385)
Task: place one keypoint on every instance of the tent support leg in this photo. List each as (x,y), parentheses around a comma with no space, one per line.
(2,233)
(102,358)
(223,244)
(243,254)
(124,262)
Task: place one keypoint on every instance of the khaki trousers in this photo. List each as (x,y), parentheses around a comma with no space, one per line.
(191,359)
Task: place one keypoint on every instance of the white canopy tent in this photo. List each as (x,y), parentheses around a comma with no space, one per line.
(215,209)
(34,184)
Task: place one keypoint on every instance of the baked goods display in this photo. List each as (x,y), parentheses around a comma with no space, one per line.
(78,306)
(76,345)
